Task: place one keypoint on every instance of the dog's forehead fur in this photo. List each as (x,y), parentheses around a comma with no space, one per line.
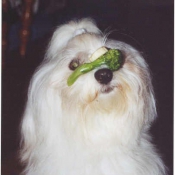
(87,42)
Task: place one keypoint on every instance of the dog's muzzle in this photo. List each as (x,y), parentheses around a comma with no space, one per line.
(103,76)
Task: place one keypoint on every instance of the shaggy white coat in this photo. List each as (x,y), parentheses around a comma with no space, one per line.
(89,128)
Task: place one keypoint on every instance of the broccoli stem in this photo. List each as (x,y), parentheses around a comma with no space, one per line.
(112,59)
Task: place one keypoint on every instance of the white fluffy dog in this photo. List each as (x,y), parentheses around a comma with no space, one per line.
(92,127)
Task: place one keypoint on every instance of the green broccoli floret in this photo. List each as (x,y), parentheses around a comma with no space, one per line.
(112,59)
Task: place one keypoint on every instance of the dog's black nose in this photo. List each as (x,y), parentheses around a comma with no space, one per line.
(103,76)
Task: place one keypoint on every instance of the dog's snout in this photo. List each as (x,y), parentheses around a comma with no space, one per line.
(103,76)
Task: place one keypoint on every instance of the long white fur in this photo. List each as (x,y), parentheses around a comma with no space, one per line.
(83,129)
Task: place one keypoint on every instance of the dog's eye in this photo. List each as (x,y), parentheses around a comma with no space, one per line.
(74,64)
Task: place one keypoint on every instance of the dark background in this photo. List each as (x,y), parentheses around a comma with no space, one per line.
(147,25)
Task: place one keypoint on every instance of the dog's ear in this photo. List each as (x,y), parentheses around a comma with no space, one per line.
(28,135)
(66,32)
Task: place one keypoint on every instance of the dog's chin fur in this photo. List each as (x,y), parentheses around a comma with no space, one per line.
(89,128)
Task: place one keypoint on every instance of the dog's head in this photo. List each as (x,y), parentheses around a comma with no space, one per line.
(100,101)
